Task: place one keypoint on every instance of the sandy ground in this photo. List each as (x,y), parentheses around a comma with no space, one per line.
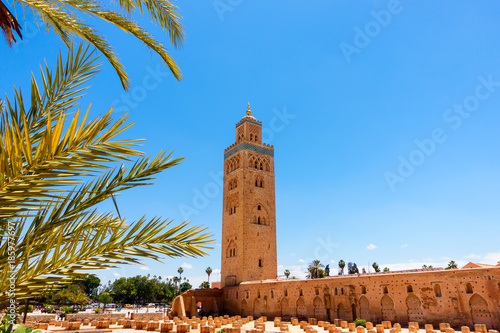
(269,328)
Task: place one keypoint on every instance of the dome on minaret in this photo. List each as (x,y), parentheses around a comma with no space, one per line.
(249,114)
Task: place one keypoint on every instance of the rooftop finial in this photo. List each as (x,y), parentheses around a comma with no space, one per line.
(249,112)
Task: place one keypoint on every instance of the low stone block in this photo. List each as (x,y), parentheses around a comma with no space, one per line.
(379,328)
(312,321)
(360,329)
(369,325)
(344,324)
(352,327)
(480,328)
(443,326)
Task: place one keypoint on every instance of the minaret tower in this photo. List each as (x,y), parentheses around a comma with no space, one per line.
(249,210)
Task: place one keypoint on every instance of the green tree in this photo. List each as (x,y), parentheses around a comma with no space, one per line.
(376,267)
(341,266)
(69,19)
(451,265)
(89,284)
(180,271)
(56,167)
(105,298)
(287,273)
(315,270)
(205,285)
(208,271)
(386,269)
(185,286)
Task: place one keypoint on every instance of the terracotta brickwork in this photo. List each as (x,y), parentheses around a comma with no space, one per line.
(459,297)
(467,296)
(249,212)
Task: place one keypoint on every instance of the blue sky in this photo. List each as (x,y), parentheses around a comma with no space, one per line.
(385,118)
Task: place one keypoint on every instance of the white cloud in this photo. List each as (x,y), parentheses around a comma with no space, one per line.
(280,266)
(404,245)
(216,271)
(117,274)
(371,247)
(186,265)
(491,258)
(302,260)
(145,268)
(472,256)
(218,245)
(333,261)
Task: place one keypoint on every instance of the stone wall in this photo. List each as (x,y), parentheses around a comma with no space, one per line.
(210,301)
(95,316)
(458,296)
(38,318)
(150,315)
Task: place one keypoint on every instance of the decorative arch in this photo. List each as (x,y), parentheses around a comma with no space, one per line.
(286,310)
(319,308)
(232,163)
(244,308)
(364,308)
(301,308)
(340,311)
(231,249)
(257,309)
(479,311)
(260,215)
(437,290)
(387,307)
(414,308)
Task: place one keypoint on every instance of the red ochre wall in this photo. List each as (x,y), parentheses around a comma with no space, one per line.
(459,297)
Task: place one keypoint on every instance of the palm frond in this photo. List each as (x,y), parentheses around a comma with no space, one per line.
(54,170)
(9,24)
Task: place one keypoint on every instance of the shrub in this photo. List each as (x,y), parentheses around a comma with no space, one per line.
(22,307)
(67,310)
(360,322)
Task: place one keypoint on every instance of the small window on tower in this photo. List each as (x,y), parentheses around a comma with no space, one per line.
(258,207)
(258,220)
(251,137)
(260,262)
(256,183)
(256,138)
(256,165)
(261,184)
(261,166)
